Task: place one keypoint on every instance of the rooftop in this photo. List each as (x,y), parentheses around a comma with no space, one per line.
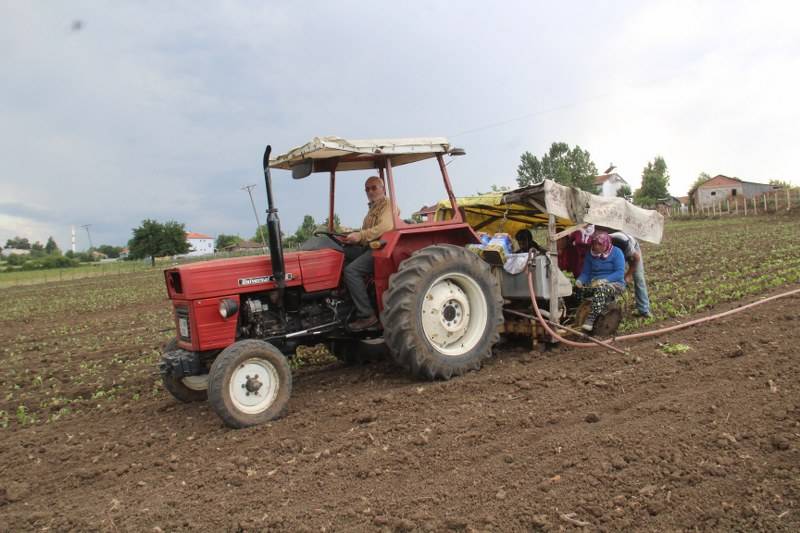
(602,178)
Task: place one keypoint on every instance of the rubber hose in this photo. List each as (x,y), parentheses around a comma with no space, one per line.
(644,334)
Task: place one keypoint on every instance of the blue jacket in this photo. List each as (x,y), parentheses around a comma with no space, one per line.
(611,269)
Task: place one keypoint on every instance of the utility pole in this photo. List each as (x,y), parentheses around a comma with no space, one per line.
(86,227)
(249,189)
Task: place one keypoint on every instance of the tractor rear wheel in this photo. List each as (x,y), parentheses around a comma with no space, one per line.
(187,389)
(442,312)
(249,383)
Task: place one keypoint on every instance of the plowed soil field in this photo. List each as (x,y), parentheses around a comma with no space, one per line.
(694,430)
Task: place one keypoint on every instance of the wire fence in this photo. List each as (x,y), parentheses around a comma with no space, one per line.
(781,200)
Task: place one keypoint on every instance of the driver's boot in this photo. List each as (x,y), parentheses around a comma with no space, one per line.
(360,324)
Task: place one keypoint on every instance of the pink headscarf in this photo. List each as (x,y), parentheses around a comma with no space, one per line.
(603,238)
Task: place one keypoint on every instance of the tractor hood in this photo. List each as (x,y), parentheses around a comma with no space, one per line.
(315,270)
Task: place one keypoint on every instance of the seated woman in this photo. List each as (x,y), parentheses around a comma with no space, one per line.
(602,277)
(573,248)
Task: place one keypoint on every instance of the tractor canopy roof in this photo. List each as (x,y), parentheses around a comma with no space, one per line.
(324,154)
(527,207)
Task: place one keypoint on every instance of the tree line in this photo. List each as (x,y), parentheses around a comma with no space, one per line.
(574,167)
(304,232)
(49,255)
(149,240)
(155,239)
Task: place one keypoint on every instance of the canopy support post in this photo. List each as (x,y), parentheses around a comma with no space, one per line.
(553,270)
(331,226)
(449,188)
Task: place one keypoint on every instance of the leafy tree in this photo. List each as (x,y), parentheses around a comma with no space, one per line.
(699,180)
(261,230)
(19,243)
(154,239)
(624,191)
(655,179)
(86,257)
(529,170)
(16,259)
(337,223)
(109,250)
(223,241)
(494,188)
(37,249)
(49,261)
(781,183)
(51,248)
(572,167)
(306,229)
(303,233)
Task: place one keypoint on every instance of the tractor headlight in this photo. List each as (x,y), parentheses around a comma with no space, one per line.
(227,307)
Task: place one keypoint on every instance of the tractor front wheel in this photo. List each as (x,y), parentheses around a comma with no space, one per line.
(442,312)
(249,383)
(187,389)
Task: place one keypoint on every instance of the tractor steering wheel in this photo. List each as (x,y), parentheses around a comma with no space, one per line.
(337,237)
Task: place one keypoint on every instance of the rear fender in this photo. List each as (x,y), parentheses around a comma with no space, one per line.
(400,244)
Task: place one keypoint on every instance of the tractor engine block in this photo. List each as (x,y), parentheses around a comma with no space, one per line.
(261,319)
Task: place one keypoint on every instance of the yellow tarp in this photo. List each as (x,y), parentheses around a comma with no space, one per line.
(487,213)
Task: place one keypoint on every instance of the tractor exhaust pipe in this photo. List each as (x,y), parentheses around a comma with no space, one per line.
(274,228)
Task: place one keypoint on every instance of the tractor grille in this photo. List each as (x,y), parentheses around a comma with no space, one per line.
(184,326)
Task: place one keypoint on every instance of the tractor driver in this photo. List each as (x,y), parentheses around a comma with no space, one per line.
(376,223)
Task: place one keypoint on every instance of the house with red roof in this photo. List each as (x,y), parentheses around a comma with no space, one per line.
(608,184)
(199,244)
(720,188)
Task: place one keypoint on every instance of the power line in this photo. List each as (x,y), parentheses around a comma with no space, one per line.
(249,189)
(526,115)
(654,81)
(88,234)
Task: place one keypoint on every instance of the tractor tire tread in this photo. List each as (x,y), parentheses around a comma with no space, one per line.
(217,386)
(175,386)
(407,347)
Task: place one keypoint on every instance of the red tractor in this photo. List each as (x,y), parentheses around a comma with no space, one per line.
(239,320)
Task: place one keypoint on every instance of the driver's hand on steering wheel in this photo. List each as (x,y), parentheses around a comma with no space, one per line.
(353,238)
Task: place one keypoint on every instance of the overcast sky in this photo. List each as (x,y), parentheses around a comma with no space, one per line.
(162,110)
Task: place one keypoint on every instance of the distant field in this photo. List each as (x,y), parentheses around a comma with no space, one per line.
(701,263)
(29,277)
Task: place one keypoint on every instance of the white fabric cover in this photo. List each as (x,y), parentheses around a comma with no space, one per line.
(580,206)
(406,150)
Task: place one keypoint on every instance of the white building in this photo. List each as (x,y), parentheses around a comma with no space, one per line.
(199,244)
(608,184)
(6,252)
